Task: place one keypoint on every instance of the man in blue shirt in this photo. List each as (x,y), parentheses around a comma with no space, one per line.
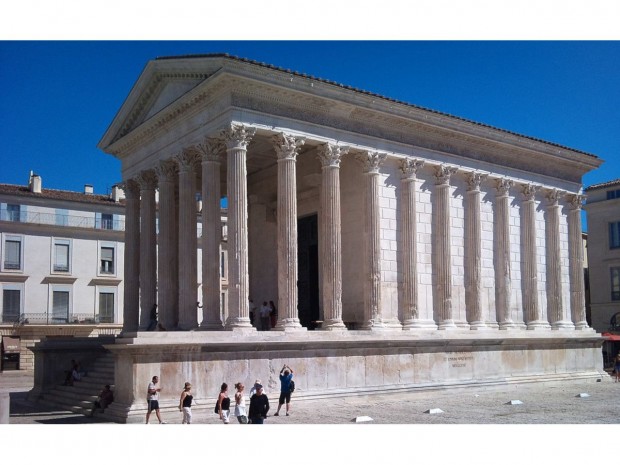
(286,375)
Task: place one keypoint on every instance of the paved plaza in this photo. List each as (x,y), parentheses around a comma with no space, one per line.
(542,403)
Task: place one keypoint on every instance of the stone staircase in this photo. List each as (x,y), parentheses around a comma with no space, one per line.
(80,397)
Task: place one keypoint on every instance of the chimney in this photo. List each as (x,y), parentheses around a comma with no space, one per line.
(88,189)
(34,183)
(117,193)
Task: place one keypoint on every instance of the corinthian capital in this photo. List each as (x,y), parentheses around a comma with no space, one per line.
(287,147)
(147,180)
(238,136)
(475,179)
(443,173)
(131,188)
(166,171)
(211,149)
(529,191)
(330,155)
(553,196)
(576,201)
(410,166)
(503,186)
(371,161)
(187,158)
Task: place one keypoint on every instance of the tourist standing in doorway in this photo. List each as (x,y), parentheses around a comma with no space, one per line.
(273,314)
(259,406)
(253,317)
(185,404)
(286,377)
(240,412)
(264,316)
(152,399)
(223,404)
(153,319)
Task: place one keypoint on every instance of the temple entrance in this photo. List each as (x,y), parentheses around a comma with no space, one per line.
(308,272)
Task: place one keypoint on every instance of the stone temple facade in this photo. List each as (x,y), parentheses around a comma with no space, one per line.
(404,248)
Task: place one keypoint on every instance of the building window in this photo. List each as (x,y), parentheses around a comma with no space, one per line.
(613,194)
(614,235)
(13,212)
(11,305)
(62,217)
(222,265)
(107,260)
(106,307)
(60,307)
(61,257)
(615,283)
(12,254)
(107,221)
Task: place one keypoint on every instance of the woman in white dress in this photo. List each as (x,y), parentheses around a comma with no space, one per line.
(240,413)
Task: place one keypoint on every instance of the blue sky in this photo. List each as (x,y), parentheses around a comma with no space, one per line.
(58,98)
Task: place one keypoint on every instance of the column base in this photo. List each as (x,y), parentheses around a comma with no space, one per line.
(239,323)
(508,324)
(562,325)
(478,326)
(333,325)
(446,325)
(582,326)
(538,325)
(410,325)
(289,324)
(211,326)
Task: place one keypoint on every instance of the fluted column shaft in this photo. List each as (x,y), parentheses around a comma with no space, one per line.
(531,307)
(167,247)
(373,315)
(187,241)
(131,296)
(286,150)
(331,274)
(148,246)
(211,150)
(555,310)
(443,256)
(412,317)
(473,251)
(237,139)
(502,254)
(575,244)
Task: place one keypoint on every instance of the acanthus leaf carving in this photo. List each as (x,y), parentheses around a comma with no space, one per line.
(410,166)
(287,146)
(330,155)
(371,161)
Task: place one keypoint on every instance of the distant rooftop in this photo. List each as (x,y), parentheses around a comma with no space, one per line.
(53,194)
(361,91)
(602,185)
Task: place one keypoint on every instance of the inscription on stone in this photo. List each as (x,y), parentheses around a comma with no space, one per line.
(458,359)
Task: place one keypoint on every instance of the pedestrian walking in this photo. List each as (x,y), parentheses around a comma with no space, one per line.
(286,380)
(152,399)
(259,406)
(223,404)
(240,412)
(185,403)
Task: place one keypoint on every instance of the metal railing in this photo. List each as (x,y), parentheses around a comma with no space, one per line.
(56,219)
(51,319)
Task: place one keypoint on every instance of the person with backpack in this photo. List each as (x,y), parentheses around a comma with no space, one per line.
(287,386)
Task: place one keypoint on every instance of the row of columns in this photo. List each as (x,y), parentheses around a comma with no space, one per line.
(177,246)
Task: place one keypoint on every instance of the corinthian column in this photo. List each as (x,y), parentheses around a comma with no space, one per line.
(331,274)
(287,148)
(148,246)
(502,254)
(529,271)
(187,243)
(575,257)
(555,310)
(167,247)
(211,151)
(473,251)
(373,315)
(443,256)
(131,299)
(237,138)
(413,317)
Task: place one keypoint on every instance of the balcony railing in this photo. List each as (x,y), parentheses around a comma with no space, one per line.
(55,219)
(51,319)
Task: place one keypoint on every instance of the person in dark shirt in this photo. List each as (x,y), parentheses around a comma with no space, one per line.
(106,397)
(259,406)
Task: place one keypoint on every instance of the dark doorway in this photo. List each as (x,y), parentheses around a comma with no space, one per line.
(308,272)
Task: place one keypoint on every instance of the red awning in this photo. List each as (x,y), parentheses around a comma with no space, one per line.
(10,345)
(611,337)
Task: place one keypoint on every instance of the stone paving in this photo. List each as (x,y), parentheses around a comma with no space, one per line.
(549,403)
